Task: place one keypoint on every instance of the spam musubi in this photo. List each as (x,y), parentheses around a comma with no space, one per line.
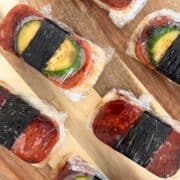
(77,169)
(121,12)
(69,61)
(29,128)
(156,43)
(123,124)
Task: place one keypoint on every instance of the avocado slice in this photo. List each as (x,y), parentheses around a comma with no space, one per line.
(82,178)
(66,60)
(48,48)
(87,178)
(37,40)
(25,34)
(160,40)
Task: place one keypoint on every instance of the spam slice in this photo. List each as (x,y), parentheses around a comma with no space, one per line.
(155,43)
(29,128)
(144,139)
(126,124)
(69,61)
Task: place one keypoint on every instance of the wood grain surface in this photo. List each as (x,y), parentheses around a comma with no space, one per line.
(93,23)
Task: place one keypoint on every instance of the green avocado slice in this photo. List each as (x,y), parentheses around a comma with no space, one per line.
(160,40)
(82,178)
(25,34)
(66,60)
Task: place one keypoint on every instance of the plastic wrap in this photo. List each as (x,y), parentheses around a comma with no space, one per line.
(129,125)
(100,56)
(137,46)
(143,101)
(57,119)
(77,80)
(121,17)
(76,167)
(137,32)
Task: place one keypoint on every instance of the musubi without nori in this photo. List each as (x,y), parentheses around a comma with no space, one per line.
(25,130)
(138,134)
(64,58)
(156,43)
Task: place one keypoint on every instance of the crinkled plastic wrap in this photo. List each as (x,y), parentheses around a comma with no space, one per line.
(76,167)
(57,118)
(173,18)
(100,57)
(143,101)
(133,129)
(77,81)
(137,32)
(121,17)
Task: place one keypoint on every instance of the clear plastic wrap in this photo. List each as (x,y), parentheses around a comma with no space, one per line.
(137,32)
(129,125)
(121,17)
(76,167)
(56,118)
(143,101)
(100,56)
(76,80)
(139,44)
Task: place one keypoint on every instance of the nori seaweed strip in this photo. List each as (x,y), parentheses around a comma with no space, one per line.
(15,116)
(143,140)
(46,41)
(170,63)
(177,75)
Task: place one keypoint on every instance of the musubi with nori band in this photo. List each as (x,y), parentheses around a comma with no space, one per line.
(77,169)
(156,42)
(138,134)
(63,57)
(25,130)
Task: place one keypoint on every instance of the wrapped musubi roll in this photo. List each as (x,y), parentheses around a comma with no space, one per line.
(76,168)
(122,12)
(154,143)
(156,43)
(69,61)
(31,129)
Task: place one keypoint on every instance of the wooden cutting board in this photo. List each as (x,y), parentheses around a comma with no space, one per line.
(93,23)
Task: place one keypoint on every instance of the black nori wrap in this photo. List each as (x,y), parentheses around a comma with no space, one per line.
(46,41)
(170,63)
(143,140)
(15,115)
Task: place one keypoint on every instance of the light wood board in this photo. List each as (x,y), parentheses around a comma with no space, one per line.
(91,22)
